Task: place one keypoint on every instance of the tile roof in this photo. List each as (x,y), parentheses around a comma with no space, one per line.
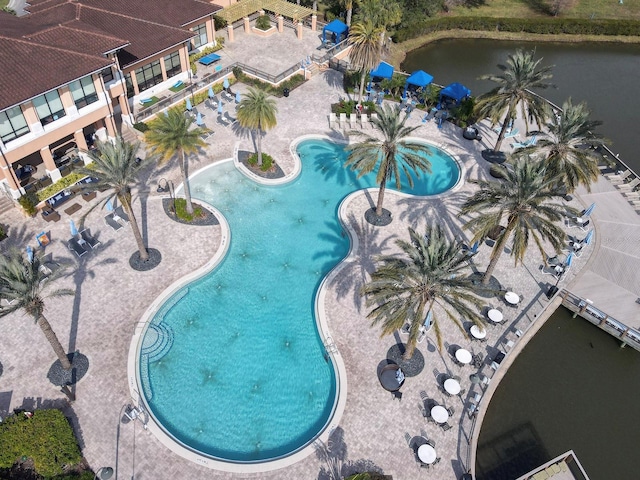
(77,40)
(47,68)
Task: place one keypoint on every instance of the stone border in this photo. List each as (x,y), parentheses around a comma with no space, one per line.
(288,177)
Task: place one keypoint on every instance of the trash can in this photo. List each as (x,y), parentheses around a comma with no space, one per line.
(285,92)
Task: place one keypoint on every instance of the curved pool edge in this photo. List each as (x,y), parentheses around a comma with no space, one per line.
(289,177)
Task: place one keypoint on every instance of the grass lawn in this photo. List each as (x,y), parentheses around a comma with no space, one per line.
(3,3)
(177,89)
(153,101)
(630,9)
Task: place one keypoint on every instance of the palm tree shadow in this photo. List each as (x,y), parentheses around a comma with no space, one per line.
(333,78)
(334,455)
(370,244)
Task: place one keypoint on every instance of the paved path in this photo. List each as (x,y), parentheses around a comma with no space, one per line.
(110,299)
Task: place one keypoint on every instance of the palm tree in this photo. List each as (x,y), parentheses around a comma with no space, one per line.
(257,112)
(171,134)
(568,146)
(520,75)
(25,285)
(348,5)
(390,156)
(382,13)
(117,167)
(366,49)
(522,197)
(405,290)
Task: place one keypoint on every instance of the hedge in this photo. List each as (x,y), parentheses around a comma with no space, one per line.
(63,183)
(571,26)
(46,437)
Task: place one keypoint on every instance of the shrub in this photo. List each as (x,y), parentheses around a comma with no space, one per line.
(141,126)
(28,203)
(263,22)
(46,437)
(64,182)
(219,23)
(3,233)
(293,82)
(193,59)
(181,211)
(267,161)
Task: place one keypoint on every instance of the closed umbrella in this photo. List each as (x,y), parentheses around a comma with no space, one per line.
(588,210)
(588,238)
(199,121)
(225,83)
(237,97)
(109,205)
(72,227)
(569,260)
(29,253)
(220,108)
(427,321)
(189,107)
(210,93)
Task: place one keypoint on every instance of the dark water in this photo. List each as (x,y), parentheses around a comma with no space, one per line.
(606,76)
(572,387)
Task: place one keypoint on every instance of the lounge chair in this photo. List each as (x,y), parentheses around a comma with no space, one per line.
(112,222)
(364,121)
(91,241)
(353,121)
(422,334)
(343,120)
(405,329)
(212,103)
(527,143)
(619,177)
(512,133)
(76,248)
(121,215)
(229,117)
(333,120)
(629,187)
(222,121)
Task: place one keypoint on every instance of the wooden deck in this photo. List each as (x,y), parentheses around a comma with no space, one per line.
(611,277)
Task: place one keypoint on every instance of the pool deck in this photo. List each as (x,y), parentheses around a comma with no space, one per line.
(111,298)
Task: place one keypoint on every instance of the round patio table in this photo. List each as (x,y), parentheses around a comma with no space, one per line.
(495,315)
(439,414)
(389,379)
(426,453)
(452,387)
(478,332)
(463,356)
(512,298)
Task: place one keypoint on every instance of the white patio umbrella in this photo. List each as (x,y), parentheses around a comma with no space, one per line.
(72,227)
(588,238)
(199,121)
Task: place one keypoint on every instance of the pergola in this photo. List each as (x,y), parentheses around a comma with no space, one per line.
(279,7)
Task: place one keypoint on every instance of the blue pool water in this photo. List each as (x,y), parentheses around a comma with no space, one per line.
(232,365)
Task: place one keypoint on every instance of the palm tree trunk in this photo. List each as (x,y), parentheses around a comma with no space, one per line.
(126,204)
(185,182)
(349,12)
(497,251)
(383,187)
(503,130)
(259,142)
(362,79)
(411,343)
(50,335)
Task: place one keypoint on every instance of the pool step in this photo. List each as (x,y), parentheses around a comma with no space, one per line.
(157,346)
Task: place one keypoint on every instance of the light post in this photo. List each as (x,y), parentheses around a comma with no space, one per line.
(103,473)
(167,186)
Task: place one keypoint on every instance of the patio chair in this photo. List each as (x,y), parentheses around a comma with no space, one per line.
(485,381)
(121,215)
(397,395)
(451,411)
(112,222)
(90,240)
(75,247)
(405,329)
(343,120)
(364,121)
(222,121)
(619,177)
(374,116)
(628,187)
(472,410)
(495,366)
(422,334)
(230,118)
(512,133)
(333,120)
(527,143)
(353,121)
(212,103)
(445,426)
(509,345)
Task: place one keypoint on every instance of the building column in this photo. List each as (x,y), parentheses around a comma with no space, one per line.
(124,109)
(67,101)
(230,32)
(314,22)
(299,30)
(11,181)
(50,164)
(280,24)
(163,69)
(247,25)
(211,32)
(111,126)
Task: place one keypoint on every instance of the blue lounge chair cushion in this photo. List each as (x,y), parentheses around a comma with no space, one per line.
(144,101)
(179,83)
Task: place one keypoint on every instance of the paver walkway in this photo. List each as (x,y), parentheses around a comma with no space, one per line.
(110,299)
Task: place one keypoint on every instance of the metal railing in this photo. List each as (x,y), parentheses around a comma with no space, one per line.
(330,53)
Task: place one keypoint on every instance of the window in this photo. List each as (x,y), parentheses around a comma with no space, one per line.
(129,85)
(83,92)
(12,124)
(149,75)
(107,75)
(201,35)
(49,107)
(172,64)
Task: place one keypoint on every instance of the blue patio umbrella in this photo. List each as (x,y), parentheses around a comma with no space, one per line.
(72,227)
(220,108)
(29,253)
(210,92)
(587,211)
(199,121)
(427,320)
(109,205)
(237,97)
(189,107)
(569,260)
(588,238)
(225,83)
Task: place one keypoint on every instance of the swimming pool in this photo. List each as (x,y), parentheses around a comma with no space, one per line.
(232,365)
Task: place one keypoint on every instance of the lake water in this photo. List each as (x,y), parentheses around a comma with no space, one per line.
(606,76)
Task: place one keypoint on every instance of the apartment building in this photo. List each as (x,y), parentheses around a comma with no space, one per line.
(71,69)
